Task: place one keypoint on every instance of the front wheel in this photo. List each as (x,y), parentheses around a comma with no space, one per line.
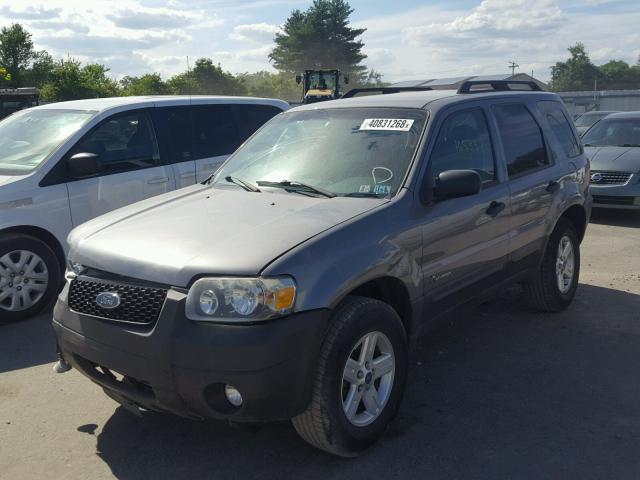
(29,277)
(556,281)
(360,379)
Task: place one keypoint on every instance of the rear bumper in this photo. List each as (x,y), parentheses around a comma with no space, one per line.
(182,366)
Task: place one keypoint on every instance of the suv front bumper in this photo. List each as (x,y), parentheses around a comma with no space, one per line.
(182,366)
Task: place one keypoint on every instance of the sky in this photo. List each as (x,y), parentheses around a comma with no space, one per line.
(404,40)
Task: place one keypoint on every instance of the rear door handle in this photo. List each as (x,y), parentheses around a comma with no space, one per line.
(553,186)
(157,180)
(495,208)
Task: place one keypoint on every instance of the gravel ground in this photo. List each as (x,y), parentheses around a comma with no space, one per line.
(501,393)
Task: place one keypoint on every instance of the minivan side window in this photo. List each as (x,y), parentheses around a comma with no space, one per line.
(252,116)
(177,132)
(522,140)
(560,127)
(124,142)
(215,131)
(464,143)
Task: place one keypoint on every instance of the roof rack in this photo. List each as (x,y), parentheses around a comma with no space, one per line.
(497,85)
(383,90)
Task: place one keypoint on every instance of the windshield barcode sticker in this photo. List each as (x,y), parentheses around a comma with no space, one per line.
(393,124)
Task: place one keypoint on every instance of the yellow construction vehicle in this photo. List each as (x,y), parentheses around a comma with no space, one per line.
(320,85)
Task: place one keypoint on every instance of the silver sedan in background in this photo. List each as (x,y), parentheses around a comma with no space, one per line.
(613,146)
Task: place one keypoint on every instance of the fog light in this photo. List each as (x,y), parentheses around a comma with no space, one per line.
(233,395)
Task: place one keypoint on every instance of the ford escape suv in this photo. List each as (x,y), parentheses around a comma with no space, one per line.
(65,163)
(291,284)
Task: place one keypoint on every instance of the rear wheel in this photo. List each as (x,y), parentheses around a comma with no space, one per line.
(360,379)
(556,281)
(30,276)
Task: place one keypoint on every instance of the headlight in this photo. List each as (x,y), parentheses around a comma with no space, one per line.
(73,270)
(233,300)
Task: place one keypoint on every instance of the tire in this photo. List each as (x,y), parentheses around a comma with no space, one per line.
(325,424)
(543,293)
(37,288)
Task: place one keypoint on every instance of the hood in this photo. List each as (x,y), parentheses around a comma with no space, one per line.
(202,230)
(621,159)
(4,179)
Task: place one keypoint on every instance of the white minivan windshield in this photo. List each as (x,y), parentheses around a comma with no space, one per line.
(340,151)
(27,138)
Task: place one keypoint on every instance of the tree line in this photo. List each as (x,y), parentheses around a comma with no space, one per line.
(578,73)
(319,37)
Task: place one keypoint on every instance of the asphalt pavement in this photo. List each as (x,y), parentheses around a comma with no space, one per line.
(501,392)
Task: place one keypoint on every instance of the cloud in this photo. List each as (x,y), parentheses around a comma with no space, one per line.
(157,18)
(37,13)
(379,57)
(59,25)
(256,32)
(103,46)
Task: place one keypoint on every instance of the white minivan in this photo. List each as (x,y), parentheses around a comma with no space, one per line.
(65,163)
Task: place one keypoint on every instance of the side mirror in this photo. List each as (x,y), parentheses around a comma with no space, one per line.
(85,164)
(457,183)
(346,79)
(298,79)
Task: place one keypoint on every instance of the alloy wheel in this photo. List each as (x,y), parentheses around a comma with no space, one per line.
(23,280)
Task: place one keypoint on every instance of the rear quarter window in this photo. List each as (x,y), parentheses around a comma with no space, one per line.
(560,127)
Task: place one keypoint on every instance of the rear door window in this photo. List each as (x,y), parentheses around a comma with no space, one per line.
(215,131)
(560,127)
(177,132)
(251,117)
(522,141)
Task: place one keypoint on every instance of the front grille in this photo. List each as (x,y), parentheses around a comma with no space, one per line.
(611,200)
(138,303)
(603,177)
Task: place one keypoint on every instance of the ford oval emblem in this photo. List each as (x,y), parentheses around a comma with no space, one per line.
(108,300)
(596,177)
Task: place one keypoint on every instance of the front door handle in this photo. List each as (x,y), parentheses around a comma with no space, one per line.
(157,180)
(553,186)
(495,208)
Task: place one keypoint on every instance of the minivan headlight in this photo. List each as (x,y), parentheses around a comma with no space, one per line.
(236,300)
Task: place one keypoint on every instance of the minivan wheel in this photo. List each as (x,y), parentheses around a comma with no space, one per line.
(360,379)
(29,277)
(556,281)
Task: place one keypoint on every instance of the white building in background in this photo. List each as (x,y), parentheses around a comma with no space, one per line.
(614,100)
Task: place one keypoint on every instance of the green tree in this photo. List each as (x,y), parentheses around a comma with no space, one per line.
(275,85)
(16,51)
(69,80)
(575,74)
(206,78)
(320,37)
(148,84)
(4,75)
(618,75)
(40,71)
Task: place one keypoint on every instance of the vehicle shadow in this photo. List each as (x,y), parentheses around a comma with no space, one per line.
(616,218)
(27,343)
(502,392)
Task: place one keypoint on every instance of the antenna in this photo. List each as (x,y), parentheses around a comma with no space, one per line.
(513,65)
(189,79)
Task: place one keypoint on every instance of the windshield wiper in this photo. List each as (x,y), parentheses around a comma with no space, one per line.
(249,187)
(630,145)
(295,186)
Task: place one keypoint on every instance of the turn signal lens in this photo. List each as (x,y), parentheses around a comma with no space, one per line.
(284,298)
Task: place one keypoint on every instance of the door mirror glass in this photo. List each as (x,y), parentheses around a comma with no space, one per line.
(457,183)
(84,164)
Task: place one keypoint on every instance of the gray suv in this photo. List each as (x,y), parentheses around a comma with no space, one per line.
(291,284)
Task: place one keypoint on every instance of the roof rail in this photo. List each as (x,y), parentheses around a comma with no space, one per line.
(383,90)
(497,85)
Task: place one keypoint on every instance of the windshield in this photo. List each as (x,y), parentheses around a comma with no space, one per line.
(587,120)
(364,151)
(28,137)
(322,81)
(620,132)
